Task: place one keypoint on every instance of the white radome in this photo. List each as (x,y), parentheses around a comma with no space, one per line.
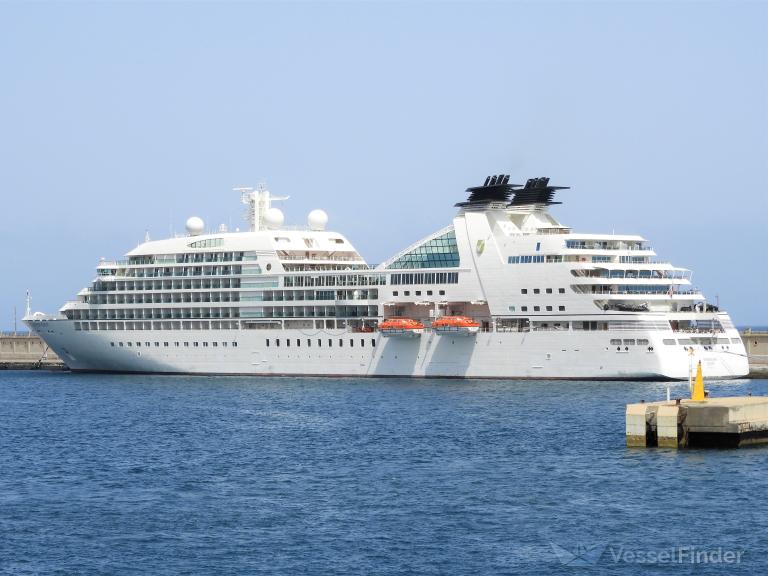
(274,218)
(195,226)
(317,220)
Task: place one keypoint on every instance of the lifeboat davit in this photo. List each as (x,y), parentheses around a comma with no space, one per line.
(401,327)
(455,326)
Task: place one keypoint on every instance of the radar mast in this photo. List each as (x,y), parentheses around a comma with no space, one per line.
(258,200)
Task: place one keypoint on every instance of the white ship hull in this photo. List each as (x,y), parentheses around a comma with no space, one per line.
(544,355)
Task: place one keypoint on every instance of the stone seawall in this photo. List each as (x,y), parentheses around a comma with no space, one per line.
(24,351)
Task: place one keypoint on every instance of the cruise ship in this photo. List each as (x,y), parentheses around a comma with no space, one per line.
(503,291)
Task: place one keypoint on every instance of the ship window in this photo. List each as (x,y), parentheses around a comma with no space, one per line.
(351,342)
(407,293)
(616,342)
(157,344)
(524,308)
(224,344)
(112,344)
(442,293)
(130,344)
(288,342)
(439,252)
(215,344)
(319,342)
(309,342)
(642,342)
(121,344)
(341,342)
(138,344)
(511,308)
(524,291)
(561,308)
(165,344)
(176,344)
(197,344)
(205,344)
(418,292)
(373,342)
(629,342)
(298,342)
(549,308)
(429,292)
(330,342)
(186,344)
(538,246)
(277,342)
(395,293)
(561,290)
(549,290)
(536,308)
(362,342)
(536,291)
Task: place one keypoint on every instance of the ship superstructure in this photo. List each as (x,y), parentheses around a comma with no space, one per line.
(505,291)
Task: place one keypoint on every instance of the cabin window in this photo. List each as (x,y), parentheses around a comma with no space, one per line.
(561,308)
(524,291)
(373,342)
(536,308)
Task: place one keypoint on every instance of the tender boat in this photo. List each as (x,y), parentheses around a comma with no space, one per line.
(455,326)
(401,327)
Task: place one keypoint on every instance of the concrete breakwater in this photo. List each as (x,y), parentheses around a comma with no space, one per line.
(25,351)
(21,351)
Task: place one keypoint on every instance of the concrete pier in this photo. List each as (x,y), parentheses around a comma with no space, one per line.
(730,422)
(24,351)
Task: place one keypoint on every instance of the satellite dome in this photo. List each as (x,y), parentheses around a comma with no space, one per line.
(195,226)
(317,220)
(274,218)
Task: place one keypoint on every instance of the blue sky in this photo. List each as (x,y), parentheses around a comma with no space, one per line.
(116,118)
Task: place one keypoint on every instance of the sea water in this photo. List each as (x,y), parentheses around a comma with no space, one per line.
(159,475)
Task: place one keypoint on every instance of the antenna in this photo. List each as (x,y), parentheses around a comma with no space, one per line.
(258,201)
(29,305)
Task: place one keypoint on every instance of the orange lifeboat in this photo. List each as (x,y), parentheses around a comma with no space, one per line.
(401,327)
(455,326)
